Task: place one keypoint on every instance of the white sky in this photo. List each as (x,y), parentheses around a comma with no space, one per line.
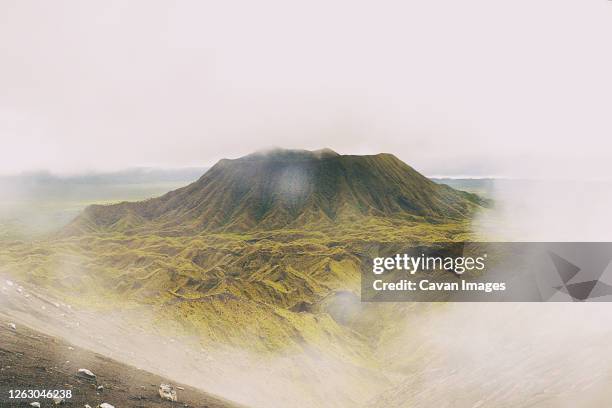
(480,87)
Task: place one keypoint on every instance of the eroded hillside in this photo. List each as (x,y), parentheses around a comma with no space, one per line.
(262,254)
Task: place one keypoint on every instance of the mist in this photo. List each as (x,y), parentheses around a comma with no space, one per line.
(513,354)
(451,88)
(548,210)
(503,355)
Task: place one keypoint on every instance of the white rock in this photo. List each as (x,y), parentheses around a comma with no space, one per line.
(58,400)
(100,388)
(105,405)
(35,404)
(12,326)
(83,372)
(9,283)
(167,392)
(87,406)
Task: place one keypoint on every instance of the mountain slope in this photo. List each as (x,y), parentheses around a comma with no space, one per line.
(33,360)
(288,189)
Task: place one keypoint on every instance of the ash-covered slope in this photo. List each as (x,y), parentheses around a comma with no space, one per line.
(288,188)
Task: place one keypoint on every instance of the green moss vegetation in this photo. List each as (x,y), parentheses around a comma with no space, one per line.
(263,253)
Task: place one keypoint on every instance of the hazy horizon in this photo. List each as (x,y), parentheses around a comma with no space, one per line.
(204,168)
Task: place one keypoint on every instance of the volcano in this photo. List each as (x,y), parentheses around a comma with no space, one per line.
(288,189)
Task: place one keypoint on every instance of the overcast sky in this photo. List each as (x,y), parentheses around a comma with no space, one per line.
(451,87)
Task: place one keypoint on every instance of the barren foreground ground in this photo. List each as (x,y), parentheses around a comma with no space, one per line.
(31,360)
